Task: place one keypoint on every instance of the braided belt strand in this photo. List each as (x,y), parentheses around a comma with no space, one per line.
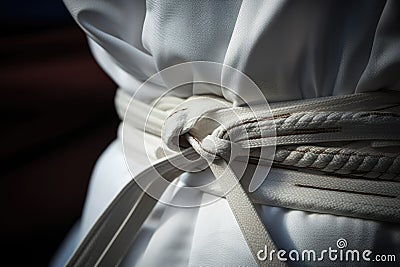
(343,161)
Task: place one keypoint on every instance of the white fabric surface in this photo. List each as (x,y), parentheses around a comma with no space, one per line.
(292,50)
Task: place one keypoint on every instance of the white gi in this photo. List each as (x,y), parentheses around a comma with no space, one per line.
(292,50)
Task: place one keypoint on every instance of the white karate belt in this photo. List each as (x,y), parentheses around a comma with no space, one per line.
(320,176)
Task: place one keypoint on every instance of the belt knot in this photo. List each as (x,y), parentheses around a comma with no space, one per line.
(197,122)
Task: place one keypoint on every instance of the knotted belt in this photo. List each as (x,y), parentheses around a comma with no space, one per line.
(222,134)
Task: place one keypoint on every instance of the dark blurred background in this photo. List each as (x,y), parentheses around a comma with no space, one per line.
(57,117)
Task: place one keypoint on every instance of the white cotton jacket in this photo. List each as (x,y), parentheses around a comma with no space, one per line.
(292,50)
